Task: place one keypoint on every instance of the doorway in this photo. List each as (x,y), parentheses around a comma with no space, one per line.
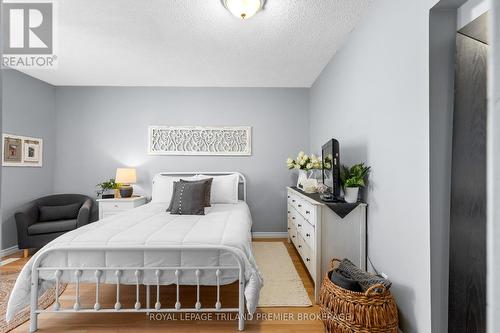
(467,256)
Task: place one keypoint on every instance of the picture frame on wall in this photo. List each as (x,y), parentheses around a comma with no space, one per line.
(31,150)
(12,150)
(21,151)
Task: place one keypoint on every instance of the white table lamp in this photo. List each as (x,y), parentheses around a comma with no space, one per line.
(126,177)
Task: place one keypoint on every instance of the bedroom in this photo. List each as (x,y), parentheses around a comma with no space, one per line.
(287,79)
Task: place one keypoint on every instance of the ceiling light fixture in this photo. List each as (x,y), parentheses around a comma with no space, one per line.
(243,9)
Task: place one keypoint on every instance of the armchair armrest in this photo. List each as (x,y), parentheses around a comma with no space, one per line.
(25,216)
(84,214)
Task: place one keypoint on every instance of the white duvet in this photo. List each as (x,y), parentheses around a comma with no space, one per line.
(150,225)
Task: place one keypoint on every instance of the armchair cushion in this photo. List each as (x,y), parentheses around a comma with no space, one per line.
(55,213)
(51,227)
(84,214)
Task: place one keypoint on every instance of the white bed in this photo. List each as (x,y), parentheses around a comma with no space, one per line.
(149,246)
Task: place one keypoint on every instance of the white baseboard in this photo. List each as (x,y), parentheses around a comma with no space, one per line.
(269,234)
(9,251)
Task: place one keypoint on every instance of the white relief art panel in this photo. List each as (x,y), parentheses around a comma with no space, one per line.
(198,140)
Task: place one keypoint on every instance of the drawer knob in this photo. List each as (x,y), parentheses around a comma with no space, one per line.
(307,259)
(300,225)
(293,200)
(300,205)
(308,212)
(293,217)
(288,228)
(288,197)
(308,235)
(293,236)
(288,212)
(300,246)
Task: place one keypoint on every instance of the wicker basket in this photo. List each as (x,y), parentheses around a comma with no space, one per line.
(345,311)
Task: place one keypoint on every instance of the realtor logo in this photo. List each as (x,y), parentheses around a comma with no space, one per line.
(28,29)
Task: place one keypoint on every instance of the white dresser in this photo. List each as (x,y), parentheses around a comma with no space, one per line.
(319,234)
(109,207)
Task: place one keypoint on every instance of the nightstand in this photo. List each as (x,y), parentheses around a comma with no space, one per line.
(110,207)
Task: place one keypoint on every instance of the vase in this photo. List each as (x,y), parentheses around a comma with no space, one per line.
(309,179)
(302,178)
(351,194)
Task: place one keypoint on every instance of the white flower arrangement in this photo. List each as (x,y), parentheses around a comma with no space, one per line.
(305,162)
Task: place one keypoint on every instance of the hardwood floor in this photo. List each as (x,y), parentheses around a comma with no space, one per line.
(278,320)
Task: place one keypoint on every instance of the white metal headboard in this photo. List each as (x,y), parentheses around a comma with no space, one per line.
(242,180)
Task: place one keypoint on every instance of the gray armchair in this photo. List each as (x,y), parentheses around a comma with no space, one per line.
(45,219)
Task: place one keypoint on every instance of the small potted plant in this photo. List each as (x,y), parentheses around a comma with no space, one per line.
(352,179)
(107,189)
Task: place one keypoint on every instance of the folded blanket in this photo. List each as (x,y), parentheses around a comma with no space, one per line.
(365,279)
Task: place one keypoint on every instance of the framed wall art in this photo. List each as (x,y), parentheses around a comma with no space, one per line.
(22,151)
(199,140)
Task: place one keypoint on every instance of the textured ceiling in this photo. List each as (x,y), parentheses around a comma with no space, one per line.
(197,42)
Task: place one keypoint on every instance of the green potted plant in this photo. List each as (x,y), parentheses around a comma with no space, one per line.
(107,189)
(352,179)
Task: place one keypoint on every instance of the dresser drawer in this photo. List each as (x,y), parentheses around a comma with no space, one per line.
(308,211)
(293,201)
(305,208)
(290,198)
(308,234)
(305,229)
(293,234)
(308,258)
(306,254)
(294,217)
(111,206)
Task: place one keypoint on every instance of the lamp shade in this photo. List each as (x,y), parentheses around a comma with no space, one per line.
(126,176)
(244,9)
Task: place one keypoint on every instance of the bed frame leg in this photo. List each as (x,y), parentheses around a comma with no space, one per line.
(241,307)
(148,298)
(241,322)
(34,301)
(33,322)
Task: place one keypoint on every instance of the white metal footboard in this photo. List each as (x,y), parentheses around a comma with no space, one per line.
(139,272)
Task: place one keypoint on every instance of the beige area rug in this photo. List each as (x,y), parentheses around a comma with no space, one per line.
(7,280)
(282,283)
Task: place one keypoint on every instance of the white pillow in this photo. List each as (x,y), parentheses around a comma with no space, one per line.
(163,187)
(224,188)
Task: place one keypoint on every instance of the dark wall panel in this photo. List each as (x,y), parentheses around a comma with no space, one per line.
(467,284)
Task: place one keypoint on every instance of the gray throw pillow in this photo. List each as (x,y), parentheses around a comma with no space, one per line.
(208,188)
(54,213)
(188,199)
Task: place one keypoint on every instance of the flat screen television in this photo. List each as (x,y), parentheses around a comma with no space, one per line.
(331,167)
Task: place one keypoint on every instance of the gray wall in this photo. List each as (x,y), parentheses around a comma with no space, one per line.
(102,128)
(28,109)
(373,97)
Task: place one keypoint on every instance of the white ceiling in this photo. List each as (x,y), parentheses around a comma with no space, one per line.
(197,42)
